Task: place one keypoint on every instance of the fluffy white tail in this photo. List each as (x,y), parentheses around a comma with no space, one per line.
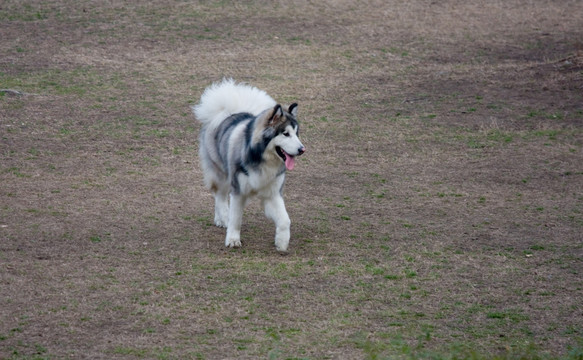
(225,98)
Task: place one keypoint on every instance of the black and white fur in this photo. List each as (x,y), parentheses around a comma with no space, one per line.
(246,144)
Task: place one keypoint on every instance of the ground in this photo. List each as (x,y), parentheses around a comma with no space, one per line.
(436,213)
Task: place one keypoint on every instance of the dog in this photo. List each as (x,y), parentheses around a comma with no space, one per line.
(246,144)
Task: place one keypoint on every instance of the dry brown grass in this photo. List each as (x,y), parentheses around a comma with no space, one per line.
(436,213)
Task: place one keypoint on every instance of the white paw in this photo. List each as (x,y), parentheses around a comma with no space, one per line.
(233,242)
(281,249)
(220,223)
(282,242)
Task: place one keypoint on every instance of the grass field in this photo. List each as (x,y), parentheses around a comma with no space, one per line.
(437,213)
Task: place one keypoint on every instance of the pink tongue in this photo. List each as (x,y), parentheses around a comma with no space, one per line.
(290,161)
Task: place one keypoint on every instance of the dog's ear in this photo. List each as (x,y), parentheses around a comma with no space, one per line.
(293,109)
(276,116)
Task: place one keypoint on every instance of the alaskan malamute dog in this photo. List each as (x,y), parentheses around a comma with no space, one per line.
(246,144)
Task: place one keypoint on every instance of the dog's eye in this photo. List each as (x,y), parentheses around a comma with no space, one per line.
(286,134)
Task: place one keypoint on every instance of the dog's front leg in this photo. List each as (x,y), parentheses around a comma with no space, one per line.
(275,210)
(236,206)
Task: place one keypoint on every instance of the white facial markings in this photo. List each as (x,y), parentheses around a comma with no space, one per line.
(289,141)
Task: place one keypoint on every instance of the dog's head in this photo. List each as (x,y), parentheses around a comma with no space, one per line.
(285,134)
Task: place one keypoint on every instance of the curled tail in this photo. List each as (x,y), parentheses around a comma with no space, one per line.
(220,100)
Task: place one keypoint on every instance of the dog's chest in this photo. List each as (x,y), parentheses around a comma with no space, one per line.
(264,179)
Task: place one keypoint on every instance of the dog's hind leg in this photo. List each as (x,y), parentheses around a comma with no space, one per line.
(275,210)
(236,207)
(221,207)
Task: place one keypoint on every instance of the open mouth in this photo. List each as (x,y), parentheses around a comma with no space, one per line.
(290,161)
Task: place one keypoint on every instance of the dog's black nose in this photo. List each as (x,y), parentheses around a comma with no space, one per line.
(301,150)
